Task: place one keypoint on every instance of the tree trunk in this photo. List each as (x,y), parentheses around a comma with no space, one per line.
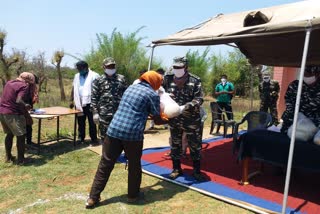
(62,94)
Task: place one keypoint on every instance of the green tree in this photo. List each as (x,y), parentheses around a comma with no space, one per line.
(6,61)
(199,65)
(127,51)
(236,67)
(217,64)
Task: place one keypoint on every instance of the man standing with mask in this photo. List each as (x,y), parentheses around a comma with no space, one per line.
(107,91)
(185,88)
(269,94)
(81,99)
(225,90)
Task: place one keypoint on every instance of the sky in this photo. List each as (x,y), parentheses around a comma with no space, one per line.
(72,25)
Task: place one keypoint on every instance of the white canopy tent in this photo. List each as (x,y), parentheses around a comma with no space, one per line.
(285,35)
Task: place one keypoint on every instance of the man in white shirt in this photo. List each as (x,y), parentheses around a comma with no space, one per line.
(81,99)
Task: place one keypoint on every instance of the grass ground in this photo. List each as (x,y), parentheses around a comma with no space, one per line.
(58,180)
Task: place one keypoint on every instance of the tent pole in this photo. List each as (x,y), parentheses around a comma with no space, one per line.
(151,56)
(251,88)
(296,111)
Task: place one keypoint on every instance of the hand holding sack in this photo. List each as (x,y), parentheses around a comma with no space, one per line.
(96,118)
(192,106)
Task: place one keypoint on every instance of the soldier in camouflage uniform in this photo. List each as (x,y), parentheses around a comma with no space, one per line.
(107,91)
(310,98)
(185,88)
(269,94)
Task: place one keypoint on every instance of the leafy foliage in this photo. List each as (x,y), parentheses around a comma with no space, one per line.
(236,67)
(199,64)
(127,51)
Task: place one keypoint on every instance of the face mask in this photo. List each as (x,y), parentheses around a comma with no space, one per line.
(178,72)
(110,72)
(223,80)
(309,80)
(83,72)
(266,79)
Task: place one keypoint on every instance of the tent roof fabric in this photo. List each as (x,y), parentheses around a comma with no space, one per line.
(270,36)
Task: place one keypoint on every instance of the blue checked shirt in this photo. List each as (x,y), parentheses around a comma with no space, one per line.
(137,102)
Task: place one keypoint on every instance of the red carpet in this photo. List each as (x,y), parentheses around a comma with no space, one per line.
(224,173)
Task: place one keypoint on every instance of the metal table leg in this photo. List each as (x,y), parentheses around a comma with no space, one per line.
(39,134)
(75,130)
(58,128)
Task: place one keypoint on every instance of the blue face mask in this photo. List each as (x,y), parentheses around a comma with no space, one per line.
(83,72)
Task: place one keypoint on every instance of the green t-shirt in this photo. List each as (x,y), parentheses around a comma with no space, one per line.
(224,98)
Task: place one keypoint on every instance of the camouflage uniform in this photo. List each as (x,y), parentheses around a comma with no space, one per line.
(106,95)
(269,94)
(309,103)
(189,121)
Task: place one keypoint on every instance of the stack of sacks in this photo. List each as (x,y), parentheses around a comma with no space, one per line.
(305,130)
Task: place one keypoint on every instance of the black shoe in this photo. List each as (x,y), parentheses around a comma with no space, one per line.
(175,173)
(80,142)
(31,143)
(91,203)
(198,176)
(136,199)
(23,162)
(11,159)
(95,143)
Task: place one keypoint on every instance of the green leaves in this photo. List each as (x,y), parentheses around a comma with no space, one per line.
(127,51)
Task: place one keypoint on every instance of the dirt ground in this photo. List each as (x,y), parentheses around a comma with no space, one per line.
(158,137)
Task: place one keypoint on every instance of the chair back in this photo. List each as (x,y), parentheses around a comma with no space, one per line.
(214,111)
(257,120)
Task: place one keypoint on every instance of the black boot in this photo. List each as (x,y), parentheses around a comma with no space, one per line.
(8,147)
(21,149)
(196,171)
(29,134)
(177,171)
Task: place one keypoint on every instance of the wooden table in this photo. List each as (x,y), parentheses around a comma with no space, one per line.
(55,112)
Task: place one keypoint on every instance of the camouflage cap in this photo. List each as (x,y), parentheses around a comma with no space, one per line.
(109,61)
(180,61)
(266,73)
(312,69)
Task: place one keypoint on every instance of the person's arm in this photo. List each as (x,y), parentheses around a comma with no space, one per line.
(260,91)
(290,98)
(155,110)
(217,91)
(95,96)
(198,94)
(231,89)
(277,87)
(20,101)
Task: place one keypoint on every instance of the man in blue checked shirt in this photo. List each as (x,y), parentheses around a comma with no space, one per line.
(125,132)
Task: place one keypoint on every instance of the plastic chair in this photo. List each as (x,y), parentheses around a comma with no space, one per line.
(255,120)
(219,119)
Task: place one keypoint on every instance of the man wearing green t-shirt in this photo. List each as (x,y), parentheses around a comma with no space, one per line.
(224,92)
